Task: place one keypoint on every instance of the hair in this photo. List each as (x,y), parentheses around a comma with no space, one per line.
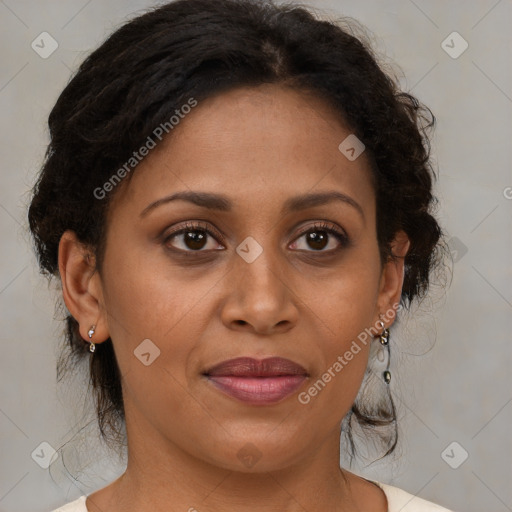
(185,49)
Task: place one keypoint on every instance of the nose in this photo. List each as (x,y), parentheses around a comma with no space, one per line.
(260,297)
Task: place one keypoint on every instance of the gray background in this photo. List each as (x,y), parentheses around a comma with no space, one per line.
(454,356)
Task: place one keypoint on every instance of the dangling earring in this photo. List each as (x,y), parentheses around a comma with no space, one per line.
(384,340)
(92,345)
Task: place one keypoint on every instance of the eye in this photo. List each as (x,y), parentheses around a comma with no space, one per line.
(319,236)
(193,237)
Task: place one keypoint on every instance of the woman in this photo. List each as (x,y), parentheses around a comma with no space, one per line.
(237,201)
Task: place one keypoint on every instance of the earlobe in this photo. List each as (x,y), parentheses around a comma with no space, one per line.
(82,298)
(392,278)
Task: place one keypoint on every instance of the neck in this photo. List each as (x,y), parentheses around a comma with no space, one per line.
(162,477)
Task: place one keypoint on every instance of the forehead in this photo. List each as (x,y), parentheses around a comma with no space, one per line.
(253,144)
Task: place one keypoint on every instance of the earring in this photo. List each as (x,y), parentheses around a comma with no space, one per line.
(384,340)
(92,345)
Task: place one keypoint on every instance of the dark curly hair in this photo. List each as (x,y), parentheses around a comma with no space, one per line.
(153,65)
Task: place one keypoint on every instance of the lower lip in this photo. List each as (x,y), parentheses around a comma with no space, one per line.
(258,390)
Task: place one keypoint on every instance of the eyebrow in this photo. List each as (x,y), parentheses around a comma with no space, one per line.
(222,203)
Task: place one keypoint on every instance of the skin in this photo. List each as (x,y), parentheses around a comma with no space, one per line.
(258,146)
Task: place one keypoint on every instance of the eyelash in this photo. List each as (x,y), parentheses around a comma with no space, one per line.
(340,236)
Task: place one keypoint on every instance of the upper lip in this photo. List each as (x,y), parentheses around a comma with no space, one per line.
(249,367)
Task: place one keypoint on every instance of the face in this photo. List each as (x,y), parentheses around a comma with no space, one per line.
(253,267)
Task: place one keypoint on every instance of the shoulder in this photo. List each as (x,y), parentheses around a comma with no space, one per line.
(74,506)
(402,501)
(398,501)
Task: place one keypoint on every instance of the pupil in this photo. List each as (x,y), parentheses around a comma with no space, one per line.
(195,240)
(316,238)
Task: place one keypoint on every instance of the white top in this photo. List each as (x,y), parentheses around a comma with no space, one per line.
(398,501)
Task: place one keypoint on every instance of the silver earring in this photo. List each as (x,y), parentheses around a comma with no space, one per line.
(92,345)
(384,340)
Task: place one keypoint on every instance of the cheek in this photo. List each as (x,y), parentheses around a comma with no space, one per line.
(346,300)
(344,354)
(345,312)
(144,301)
(154,323)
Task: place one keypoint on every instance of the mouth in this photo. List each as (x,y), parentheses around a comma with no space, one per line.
(257,382)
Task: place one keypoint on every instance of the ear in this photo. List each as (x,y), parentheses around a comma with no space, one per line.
(392,279)
(81,286)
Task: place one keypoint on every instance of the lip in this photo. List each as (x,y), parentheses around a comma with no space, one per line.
(257,382)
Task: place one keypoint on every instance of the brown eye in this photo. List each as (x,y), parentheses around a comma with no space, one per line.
(318,237)
(192,238)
